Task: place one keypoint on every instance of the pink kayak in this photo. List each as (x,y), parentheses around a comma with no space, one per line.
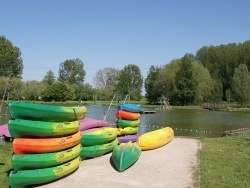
(89,123)
(4,130)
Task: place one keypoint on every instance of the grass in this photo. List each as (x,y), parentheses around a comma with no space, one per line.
(5,164)
(224,162)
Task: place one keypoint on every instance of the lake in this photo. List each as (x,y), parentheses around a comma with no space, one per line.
(194,123)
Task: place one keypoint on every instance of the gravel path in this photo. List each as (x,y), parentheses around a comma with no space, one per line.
(170,166)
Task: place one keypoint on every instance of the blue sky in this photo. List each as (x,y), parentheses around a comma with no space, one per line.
(115,33)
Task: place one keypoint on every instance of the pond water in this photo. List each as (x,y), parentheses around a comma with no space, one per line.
(194,123)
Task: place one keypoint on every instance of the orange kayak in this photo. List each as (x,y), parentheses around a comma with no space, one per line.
(45,145)
(121,114)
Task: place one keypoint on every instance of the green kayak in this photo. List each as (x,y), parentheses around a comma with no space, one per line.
(99,136)
(98,150)
(43,112)
(122,123)
(45,160)
(125,155)
(20,128)
(24,178)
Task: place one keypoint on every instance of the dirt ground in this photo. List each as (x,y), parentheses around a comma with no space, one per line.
(170,166)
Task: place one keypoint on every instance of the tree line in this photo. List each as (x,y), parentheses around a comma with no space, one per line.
(213,74)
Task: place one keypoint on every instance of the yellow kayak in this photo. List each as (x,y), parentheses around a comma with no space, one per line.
(155,139)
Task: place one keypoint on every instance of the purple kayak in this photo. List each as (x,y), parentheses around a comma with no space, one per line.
(89,123)
(127,138)
(4,130)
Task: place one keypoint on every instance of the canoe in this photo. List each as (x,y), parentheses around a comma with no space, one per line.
(122,123)
(121,114)
(127,130)
(127,138)
(43,112)
(99,136)
(89,123)
(45,145)
(98,150)
(20,128)
(125,155)
(4,130)
(44,160)
(130,107)
(155,139)
(25,178)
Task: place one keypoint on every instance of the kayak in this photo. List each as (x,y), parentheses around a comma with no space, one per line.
(20,128)
(127,138)
(25,178)
(121,114)
(130,107)
(127,130)
(125,155)
(43,112)
(98,150)
(155,139)
(89,123)
(4,131)
(99,136)
(122,123)
(44,160)
(45,145)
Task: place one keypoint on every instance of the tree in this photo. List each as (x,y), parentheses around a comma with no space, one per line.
(10,59)
(152,90)
(130,81)
(84,92)
(49,78)
(14,88)
(205,84)
(72,71)
(59,91)
(241,84)
(106,81)
(33,90)
(185,82)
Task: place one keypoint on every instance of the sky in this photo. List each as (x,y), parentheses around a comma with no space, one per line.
(116,33)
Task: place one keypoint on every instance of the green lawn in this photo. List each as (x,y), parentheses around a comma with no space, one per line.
(225,162)
(5,164)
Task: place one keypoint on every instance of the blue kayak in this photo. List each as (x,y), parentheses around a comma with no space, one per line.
(130,107)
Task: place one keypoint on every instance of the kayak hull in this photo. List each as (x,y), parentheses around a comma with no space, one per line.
(155,139)
(121,114)
(98,150)
(45,160)
(125,155)
(122,123)
(99,136)
(45,145)
(130,107)
(20,128)
(24,178)
(43,112)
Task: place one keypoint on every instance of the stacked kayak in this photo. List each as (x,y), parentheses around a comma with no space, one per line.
(46,143)
(98,141)
(128,120)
